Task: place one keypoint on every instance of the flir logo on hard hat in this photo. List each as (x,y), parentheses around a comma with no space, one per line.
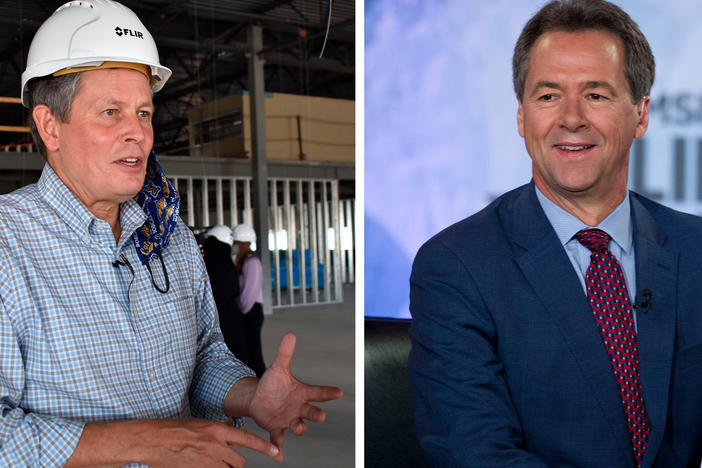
(128,32)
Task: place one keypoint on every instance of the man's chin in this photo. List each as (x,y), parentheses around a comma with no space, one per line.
(129,193)
(130,186)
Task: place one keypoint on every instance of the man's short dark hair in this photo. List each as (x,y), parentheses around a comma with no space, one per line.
(580,15)
(57,94)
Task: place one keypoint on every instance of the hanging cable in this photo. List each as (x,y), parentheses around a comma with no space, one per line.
(124,262)
(165,274)
(326,35)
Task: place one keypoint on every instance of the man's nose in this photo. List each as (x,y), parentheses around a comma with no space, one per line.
(573,116)
(135,128)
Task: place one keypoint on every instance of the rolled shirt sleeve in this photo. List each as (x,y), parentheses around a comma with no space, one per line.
(217,369)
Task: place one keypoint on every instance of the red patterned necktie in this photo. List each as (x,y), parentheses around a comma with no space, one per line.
(609,299)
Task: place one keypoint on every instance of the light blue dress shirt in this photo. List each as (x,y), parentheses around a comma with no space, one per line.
(618,225)
(82,340)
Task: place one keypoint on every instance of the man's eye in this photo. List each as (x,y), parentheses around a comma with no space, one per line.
(110,111)
(547,97)
(145,114)
(596,97)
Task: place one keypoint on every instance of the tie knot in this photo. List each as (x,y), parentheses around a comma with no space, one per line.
(595,240)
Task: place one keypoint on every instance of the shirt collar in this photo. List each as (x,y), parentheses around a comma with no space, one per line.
(618,224)
(74,212)
(64,202)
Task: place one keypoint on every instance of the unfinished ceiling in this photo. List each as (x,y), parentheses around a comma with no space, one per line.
(204,43)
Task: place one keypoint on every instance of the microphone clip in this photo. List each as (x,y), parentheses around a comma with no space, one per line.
(646,304)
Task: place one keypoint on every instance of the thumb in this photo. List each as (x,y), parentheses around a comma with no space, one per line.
(285,351)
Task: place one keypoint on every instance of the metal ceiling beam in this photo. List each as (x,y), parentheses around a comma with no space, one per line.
(309,37)
(314,63)
(206,45)
(175,92)
(222,13)
(216,11)
(201,167)
(272,6)
(188,85)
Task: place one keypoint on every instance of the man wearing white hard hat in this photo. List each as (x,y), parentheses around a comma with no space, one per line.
(110,348)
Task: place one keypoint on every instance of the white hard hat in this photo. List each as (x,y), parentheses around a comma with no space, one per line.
(88,33)
(244,233)
(222,233)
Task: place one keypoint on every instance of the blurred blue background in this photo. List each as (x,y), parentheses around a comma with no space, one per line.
(441,137)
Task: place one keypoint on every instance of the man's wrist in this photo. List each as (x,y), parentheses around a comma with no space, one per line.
(237,403)
(108,444)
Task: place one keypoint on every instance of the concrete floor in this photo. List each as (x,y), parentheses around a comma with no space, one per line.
(324,355)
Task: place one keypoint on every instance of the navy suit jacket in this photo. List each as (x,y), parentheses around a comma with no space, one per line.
(508,367)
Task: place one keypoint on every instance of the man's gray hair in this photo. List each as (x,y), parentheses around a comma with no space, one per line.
(57,94)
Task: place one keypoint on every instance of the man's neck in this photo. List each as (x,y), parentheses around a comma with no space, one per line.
(590,210)
(110,214)
(105,210)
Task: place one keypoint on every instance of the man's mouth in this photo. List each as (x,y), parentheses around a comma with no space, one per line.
(130,161)
(574,147)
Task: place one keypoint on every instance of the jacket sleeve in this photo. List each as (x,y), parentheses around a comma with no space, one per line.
(464,415)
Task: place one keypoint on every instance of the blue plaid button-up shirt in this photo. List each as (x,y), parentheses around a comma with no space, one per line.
(82,340)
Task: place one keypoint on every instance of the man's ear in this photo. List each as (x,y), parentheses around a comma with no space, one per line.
(520,118)
(642,112)
(47,126)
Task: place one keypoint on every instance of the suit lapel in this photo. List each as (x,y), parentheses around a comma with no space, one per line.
(656,271)
(546,267)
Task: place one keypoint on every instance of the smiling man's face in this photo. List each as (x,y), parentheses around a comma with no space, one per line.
(577,116)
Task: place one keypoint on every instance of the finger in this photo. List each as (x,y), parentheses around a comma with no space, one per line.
(286,350)
(211,452)
(243,438)
(322,393)
(298,427)
(234,459)
(277,439)
(312,413)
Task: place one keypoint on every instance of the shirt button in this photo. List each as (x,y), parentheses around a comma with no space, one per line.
(152,375)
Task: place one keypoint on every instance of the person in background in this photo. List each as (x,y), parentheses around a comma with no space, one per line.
(110,352)
(251,294)
(224,279)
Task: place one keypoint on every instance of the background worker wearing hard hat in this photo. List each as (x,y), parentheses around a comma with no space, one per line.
(109,343)
(224,279)
(251,294)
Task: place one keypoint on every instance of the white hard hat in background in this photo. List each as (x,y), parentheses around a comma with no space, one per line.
(244,233)
(222,233)
(86,34)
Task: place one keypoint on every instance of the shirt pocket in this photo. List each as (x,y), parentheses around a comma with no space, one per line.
(173,348)
(180,319)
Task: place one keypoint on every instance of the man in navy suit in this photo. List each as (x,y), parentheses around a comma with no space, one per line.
(511,364)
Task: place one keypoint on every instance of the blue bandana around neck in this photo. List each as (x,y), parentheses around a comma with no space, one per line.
(161,202)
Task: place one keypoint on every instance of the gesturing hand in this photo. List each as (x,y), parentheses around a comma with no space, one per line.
(171,443)
(196,442)
(281,401)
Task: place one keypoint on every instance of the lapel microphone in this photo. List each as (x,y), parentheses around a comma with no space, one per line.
(646,304)
(123,262)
